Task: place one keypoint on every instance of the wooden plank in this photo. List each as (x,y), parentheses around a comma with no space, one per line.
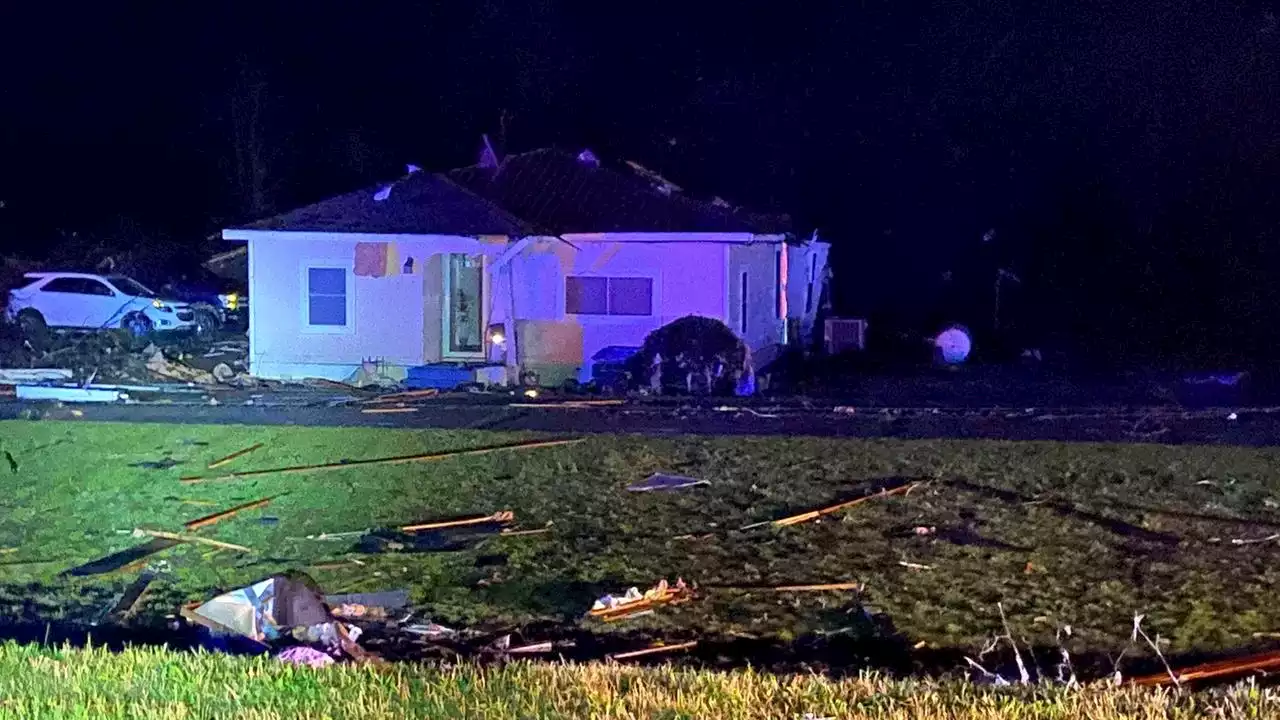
(502,516)
(221,515)
(814,514)
(656,650)
(424,457)
(178,537)
(237,454)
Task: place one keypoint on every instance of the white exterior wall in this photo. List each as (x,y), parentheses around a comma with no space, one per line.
(385,314)
(763,328)
(688,279)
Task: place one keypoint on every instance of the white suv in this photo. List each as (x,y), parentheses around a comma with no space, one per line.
(97,302)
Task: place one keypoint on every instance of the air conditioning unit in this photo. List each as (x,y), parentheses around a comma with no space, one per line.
(841,335)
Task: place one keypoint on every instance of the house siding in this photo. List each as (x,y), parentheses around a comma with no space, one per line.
(386,321)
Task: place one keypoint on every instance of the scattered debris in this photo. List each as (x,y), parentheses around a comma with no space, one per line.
(161,464)
(304,656)
(1255,541)
(237,454)
(391,410)
(654,650)
(13,464)
(403,396)
(190,539)
(124,558)
(359,604)
(660,481)
(264,611)
(23,376)
(534,649)
(431,631)
(224,514)
(128,602)
(814,514)
(798,588)
(424,457)
(68,394)
(502,517)
(914,566)
(568,404)
(633,602)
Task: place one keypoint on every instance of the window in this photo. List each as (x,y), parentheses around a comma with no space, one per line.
(326,297)
(129,286)
(95,287)
(66,285)
(742,305)
(608,296)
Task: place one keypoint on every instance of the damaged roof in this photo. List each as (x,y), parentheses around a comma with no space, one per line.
(562,193)
(419,204)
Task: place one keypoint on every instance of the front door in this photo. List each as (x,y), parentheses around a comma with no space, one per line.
(464,306)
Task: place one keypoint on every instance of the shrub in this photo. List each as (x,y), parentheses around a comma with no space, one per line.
(698,355)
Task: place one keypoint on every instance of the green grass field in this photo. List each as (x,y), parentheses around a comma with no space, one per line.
(161,685)
(1080,535)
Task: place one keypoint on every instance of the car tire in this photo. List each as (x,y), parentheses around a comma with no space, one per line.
(34,328)
(206,322)
(137,324)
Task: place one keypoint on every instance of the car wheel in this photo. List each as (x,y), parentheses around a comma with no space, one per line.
(206,322)
(33,326)
(138,324)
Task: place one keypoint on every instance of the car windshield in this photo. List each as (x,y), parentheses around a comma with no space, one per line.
(129,286)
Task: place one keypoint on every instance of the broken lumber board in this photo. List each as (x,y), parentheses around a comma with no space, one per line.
(384,411)
(502,516)
(117,560)
(789,588)
(655,650)
(568,404)
(65,394)
(814,514)
(18,376)
(424,457)
(125,606)
(221,515)
(1260,662)
(237,454)
(178,537)
(396,397)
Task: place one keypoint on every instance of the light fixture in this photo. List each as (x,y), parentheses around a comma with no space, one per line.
(497,334)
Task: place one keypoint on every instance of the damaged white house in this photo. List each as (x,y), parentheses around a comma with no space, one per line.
(527,268)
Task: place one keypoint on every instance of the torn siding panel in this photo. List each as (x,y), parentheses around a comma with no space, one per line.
(806,282)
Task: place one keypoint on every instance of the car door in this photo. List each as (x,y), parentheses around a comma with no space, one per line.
(99,304)
(57,301)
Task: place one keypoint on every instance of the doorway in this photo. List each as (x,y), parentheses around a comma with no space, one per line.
(463,309)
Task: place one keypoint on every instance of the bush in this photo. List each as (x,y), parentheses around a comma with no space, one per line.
(698,354)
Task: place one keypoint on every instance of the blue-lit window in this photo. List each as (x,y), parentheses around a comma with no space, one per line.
(326,297)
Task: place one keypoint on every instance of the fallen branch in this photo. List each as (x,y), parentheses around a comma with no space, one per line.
(516,533)
(208,520)
(502,516)
(178,537)
(914,566)
(237,454)
(424,457)
(656,650)
(814,514)
(1139,632)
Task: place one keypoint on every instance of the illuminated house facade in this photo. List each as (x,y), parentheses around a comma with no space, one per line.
(529,266)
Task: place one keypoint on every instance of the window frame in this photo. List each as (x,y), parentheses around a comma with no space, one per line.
(607,315)
(304,310)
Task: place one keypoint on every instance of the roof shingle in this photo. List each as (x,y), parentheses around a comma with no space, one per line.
(558,193)
(419,204)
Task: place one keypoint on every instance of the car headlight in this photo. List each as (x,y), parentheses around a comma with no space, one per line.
(230,301)
(161,306)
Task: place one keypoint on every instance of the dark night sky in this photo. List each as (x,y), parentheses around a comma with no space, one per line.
(1125,152)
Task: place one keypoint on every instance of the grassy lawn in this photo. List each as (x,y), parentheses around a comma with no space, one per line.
(1080,535)
(153,683)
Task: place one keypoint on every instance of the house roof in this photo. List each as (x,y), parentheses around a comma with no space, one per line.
(419,204)
(562,193)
